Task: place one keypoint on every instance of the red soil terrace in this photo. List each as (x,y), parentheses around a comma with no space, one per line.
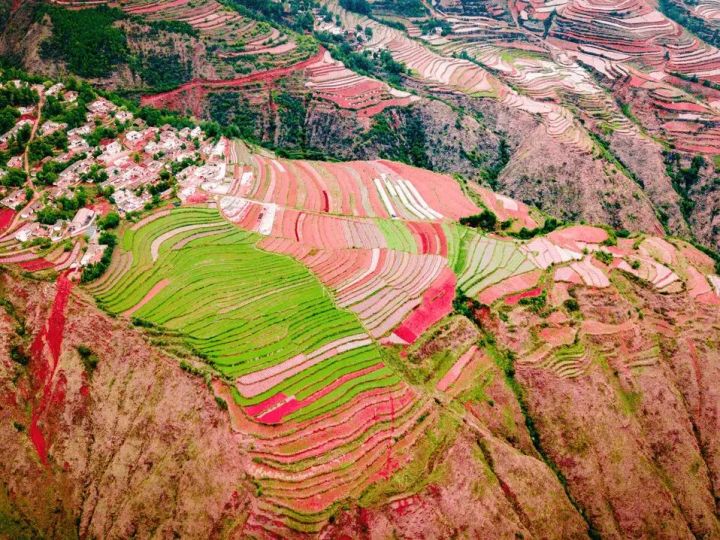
(436,304)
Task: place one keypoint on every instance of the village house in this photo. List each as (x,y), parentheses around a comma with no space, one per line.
(50,127)
(93,254)
(57,231)
(110,150)
(212,172)
(130,178)
(83,219)
(31,230)
(101,107)
(127,201)
(66,179)
(15,162)
(185,154)
(77,144)
(60,191)
(219,149)
(134,139)
(85,129)
(30,210)
(124,116)
(18,126)
(115,161)
(14,199)
(55,89)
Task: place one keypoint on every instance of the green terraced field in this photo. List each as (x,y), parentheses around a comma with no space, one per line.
(482,261)
(244,308)
(455,235)
(397,235)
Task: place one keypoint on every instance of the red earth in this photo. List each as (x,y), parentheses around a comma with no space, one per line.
(6,217)
(48,340)
(436,304)
(36,265)
(101,206)
(515,298)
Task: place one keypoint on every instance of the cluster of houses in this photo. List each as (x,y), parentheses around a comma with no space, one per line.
(124,165)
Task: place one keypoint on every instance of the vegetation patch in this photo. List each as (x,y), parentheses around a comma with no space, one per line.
(86,39)
(88,358)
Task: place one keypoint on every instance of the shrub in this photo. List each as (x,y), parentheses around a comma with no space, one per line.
(100,133)
(64,208)
(88,358)
(610,241)
(17,97)
(431,24)
(13,178)
(8,117)
(136,321)
(221,403)
(485,220)
(94,271)
(358,6)
(18,355)
(604,257)
(536,303)
(96,174)
(549,226)
(111,221)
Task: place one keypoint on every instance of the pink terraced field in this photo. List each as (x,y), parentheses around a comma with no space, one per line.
(332,81)
(381,189)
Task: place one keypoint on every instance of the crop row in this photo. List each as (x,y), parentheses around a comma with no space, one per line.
(484,261)
(361,189)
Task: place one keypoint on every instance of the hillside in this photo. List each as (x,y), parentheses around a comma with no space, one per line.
(201,338)
(587,111)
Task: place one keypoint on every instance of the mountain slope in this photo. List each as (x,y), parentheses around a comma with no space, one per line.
(201,337)
(590,137)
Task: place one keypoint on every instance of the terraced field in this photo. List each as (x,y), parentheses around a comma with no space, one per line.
(381,188)
(233,293)
(302,286)
(483,262)
(331,80)
(446,70)
(295,362)
(373,343)
(630,43)
(304,330)
(227,33)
